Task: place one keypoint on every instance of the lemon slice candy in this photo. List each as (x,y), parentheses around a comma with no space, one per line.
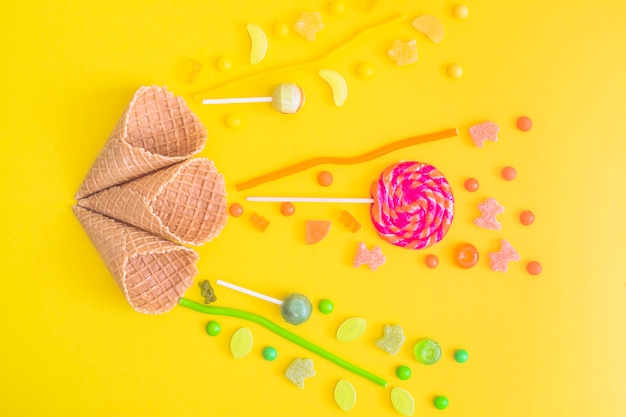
(241,343)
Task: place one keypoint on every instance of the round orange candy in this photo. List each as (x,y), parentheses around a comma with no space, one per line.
(524,123)
(466,255)
(235,210)
(325,178)
(533,268)
(432,261)
(527,217)
(287,209)
(471,185)
(508,173)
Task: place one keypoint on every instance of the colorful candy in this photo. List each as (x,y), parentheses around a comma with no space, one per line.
(269,353)
(440,402)
(509,173)
(413,205)
(499,261)
(325,306)
(402,401)
(461,355)
(258,43)
(392,340)
(486,131)
(533,268)
(259,222)
(431,261)
(345,395)
(192,70)
(427,351)
(466,255)
(295,308)
(213,328)
(527,217)
(299,370)
(373,258)
(403,53)
(286,98)
(287,209)
(455,71)
(349,221)
(235,210)
(338,85)
(524,123)
(460,11)
(317,230)
(324,178)
(489,209)
(403,372)
(308,24)
(241,343)
(471,185)
(430,26)
(351,329)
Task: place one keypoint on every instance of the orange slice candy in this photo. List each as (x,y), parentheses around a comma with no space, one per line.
(430,26)
(316,230)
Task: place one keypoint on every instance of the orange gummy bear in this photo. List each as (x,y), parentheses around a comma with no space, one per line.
(259,222)
(348,220)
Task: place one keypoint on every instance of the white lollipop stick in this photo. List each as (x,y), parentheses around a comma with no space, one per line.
(310,200)
(249,292)
(237,100)
(286,98)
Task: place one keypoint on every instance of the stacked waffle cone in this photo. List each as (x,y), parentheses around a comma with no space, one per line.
(146,195)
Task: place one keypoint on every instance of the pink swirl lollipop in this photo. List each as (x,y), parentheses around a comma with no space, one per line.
(413,205)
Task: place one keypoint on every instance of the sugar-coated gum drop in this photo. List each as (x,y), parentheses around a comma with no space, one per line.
(287,209)
(235,210)
(308,24)
(403,53)
(466,255)
(471,185)
(432,261)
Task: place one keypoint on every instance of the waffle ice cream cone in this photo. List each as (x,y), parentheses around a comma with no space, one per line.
(185,202)
(153,273)
(156,130)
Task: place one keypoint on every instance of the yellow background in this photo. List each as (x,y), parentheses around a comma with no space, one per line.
(547,345)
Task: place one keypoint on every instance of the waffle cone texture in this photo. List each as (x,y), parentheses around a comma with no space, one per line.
(146,196)
(185,202)
(156,130)
(152,272)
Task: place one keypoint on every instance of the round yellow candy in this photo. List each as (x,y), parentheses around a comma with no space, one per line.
(223,64)
(455,71)
(460,11)
(365,70)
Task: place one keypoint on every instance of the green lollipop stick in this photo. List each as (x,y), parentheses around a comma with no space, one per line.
(232,312)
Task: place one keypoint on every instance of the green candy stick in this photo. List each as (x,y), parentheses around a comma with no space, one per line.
(255,318)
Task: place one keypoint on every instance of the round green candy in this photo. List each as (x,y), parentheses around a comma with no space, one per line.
(427,351)
(461,355)
(403,372)
(213,328)
(326,306)
(296,309)
(269,353)
(440,402)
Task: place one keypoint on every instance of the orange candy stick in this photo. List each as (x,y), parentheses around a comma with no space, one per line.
(298,65)
(416,140)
